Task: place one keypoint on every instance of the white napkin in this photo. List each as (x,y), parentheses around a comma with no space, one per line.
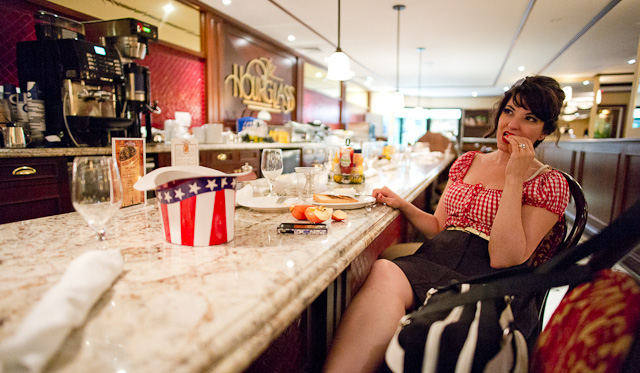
(245,194)
(62,308)
(370,173)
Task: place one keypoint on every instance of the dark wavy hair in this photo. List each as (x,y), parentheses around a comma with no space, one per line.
(540,94)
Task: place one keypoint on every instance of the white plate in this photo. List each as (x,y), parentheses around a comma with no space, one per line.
(362,202)
(266,204)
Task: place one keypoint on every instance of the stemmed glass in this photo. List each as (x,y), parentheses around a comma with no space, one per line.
(271,166)
(96,191)
(370,153)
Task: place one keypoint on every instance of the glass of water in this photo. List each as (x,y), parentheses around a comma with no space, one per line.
(271,166)
(96,191)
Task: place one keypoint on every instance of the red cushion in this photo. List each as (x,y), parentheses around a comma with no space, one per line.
(593,327)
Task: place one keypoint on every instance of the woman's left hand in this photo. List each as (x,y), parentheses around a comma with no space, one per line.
(522,154)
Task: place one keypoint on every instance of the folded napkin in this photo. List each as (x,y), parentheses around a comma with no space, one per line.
(245,194)
(62,308)
(370,173)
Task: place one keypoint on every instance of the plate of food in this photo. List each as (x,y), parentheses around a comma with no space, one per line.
(339,201)
(267,203)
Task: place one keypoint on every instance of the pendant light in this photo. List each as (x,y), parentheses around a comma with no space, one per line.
(339,68)
(419,110)
(397,98)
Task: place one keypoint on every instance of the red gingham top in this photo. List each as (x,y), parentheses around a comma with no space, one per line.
(475,206)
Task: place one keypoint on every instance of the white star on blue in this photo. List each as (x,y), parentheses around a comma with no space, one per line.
(195,187)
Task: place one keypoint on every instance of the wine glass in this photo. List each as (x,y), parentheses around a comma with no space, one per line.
(370,153)
(271,166)
(96,191)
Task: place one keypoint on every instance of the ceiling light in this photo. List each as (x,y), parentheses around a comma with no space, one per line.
(474,94)
(339,68)
(505,88)
(599,96)
(397,99)
(586,82)
(318,74)
(226,2)
(631,61)
(291,38)
(568,93)
(520,68)
(168,8)
(570,108)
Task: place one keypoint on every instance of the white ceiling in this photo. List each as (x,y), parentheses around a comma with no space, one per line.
(470,45)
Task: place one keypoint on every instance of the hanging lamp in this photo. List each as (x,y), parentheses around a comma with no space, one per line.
(339,67)
(397,98)
(419,109)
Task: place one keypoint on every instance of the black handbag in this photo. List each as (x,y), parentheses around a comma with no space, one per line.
(469,327)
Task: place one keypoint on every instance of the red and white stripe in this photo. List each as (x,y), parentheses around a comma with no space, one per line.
(202,217)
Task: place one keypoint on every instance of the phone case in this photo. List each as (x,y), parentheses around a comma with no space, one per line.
(304,228)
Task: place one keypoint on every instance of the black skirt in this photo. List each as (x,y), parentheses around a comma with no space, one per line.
(456,255)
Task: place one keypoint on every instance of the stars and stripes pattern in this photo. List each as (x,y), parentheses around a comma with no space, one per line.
(198,211)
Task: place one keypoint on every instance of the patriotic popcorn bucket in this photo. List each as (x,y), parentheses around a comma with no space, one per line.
(197,203)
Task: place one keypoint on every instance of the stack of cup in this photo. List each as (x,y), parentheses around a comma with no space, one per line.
(213,133)
(35,105)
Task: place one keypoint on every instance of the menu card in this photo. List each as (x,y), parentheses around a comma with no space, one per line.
(184,152)
(130,153)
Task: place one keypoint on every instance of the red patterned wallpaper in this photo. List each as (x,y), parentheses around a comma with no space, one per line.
(16,18)
(317,106)
(177,78)
(177,83)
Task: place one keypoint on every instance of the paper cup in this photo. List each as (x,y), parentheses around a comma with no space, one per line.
(198,211)
(197,204)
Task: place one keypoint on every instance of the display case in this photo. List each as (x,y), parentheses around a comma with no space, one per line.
(476,124)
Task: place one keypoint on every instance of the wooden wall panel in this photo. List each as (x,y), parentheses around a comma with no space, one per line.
(631,190)
(240,48)
(599,183)
(559,158)
(608,170)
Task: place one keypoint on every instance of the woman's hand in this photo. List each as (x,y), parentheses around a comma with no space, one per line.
(521,157)
(385,195)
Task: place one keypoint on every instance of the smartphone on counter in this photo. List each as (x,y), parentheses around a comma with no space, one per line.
(302,228)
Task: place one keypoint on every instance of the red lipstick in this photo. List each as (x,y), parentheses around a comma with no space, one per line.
(505,135)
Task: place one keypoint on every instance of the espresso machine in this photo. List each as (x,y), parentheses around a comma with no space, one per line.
(79,81)
(130,37)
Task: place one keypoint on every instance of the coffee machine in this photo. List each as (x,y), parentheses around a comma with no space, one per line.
(130,37)
(79,82)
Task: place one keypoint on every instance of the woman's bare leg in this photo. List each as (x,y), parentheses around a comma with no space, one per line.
(370,320)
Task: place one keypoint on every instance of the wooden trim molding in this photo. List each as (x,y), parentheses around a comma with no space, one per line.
(213,55)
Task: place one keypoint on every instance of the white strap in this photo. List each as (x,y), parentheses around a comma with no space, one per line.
(538,171)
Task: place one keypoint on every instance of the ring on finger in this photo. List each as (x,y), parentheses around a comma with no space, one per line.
(523,146)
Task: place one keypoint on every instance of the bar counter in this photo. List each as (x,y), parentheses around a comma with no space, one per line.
(182,309)
(151,149)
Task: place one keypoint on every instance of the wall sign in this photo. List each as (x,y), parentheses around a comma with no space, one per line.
(259,89)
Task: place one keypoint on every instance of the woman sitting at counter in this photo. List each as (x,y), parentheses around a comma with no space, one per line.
(495,210)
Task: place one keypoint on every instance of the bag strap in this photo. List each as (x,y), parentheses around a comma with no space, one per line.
(522,284)
(606,248)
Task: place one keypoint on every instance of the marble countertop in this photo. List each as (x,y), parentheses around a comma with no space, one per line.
(153,148)
(182,309)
